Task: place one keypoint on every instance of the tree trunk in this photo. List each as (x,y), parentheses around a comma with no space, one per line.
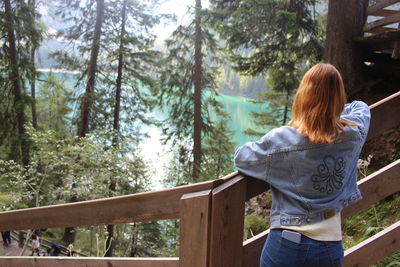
(92,68)
(197,95)
(32,4)
(16,82)
(117,107)
(346,19)
(83,129)
(33,92)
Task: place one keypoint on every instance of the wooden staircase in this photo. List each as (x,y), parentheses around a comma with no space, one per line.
(380,43)
(211,216)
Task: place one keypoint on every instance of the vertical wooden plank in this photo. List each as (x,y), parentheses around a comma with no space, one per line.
(252,249)
(227,219)
(194,229)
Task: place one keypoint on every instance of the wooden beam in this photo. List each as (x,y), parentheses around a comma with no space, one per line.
(384,115)
(374,248)
(252,249)
(382,22)
(380,30)
(148,206)
(194,229)
(87,262)
(384,12)
(386,37)
(255,187)
(380,5)
(227,221)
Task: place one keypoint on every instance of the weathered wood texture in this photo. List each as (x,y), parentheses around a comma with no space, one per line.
(158,205)
(384,115)
(227,220)
(194,229)
(255,187)
(371,10)
(376,187)
(86,262)
(384,12)
(382,22)
(252,249)
(374,248)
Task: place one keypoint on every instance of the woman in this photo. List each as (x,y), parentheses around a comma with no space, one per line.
(311,166)
(35,245)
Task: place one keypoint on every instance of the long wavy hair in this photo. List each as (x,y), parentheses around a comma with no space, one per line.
(318,103)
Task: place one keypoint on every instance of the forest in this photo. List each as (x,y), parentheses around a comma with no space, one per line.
(82,82)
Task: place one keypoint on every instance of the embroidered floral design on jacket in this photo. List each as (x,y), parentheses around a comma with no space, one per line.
(330,175)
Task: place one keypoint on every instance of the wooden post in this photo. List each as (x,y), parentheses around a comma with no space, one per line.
(227,220)
(194,229)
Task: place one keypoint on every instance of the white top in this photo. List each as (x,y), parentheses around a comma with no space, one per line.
(326,230)
(35,243)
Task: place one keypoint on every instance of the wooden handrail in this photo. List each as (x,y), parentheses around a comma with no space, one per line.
(384,12)
(384,115)
(148,206)
(374,248)
(380,5)
(382,22)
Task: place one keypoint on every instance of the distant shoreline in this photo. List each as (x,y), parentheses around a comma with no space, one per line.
(60,71)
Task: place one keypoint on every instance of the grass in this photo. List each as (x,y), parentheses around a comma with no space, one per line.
(371,221)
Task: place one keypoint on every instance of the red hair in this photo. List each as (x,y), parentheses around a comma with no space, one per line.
(318,103)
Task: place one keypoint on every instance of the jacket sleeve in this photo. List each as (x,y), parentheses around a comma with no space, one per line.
(251,159)
(358,112)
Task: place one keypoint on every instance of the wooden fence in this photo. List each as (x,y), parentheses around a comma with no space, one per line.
(211,216)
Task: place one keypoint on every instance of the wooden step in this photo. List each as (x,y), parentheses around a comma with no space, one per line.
(379,42)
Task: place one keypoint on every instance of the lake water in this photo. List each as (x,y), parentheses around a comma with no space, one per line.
(238,108)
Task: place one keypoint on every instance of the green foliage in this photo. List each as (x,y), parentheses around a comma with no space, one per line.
(371,221)
(253,225)
(176,97)
(53,104)
(280,38)
(28,33)
(61,167)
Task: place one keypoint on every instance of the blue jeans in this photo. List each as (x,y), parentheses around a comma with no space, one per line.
(279,251)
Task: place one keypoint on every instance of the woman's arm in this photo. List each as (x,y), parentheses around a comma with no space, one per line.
(251,159)
(358,112)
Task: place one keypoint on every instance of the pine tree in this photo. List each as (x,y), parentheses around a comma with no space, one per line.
(276,38)
(182,95)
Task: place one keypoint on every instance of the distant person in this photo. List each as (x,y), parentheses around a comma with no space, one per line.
(6,238)
(311,166)
(70,250)
(49,252)
(35,245)
(55,249)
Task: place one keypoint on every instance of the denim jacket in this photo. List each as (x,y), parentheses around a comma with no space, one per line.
(309,181)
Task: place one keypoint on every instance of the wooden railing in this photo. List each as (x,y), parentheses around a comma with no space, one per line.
(211,216)
(384,32)
(388,16)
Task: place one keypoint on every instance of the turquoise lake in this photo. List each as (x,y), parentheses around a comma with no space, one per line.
(157,154)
